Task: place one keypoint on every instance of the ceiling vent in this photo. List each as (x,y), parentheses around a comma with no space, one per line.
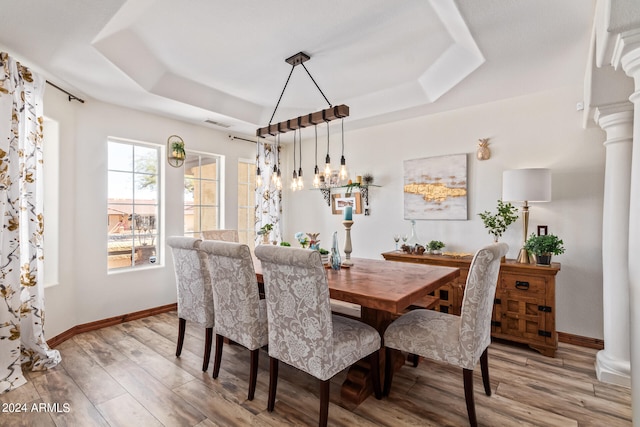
(213,122)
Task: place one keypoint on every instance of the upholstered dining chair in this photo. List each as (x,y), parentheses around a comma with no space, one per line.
(240,314)
(457,340)
(195,298)
(224,235)
(302,331)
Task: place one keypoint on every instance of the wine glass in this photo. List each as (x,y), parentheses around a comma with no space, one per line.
(396,238)
(404,239)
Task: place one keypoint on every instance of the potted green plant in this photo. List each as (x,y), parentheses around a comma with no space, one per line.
(435,246)
(264,231)
(177,150)
(543,247)
(324,255)
(496,224)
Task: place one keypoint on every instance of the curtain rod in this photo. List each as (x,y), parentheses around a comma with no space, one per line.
(71,96)
(233,137)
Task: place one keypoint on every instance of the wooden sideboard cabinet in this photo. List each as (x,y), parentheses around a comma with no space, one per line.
(524,307)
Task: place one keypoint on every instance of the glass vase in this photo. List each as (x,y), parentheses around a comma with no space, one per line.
(335,259)
(413,237)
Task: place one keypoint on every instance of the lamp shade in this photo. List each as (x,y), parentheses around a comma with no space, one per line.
(531,185)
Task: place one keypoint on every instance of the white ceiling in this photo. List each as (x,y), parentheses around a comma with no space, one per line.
(225,60)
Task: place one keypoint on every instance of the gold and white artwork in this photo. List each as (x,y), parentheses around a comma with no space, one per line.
(436,188)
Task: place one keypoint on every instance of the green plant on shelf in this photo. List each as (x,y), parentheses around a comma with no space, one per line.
(177,150)
(435,245)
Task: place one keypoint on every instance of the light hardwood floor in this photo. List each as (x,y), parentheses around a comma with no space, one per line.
(128,375)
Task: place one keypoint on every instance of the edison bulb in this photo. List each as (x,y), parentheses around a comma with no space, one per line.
(343,172)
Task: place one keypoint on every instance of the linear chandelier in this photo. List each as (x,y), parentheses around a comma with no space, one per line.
(326,115)
(322,179)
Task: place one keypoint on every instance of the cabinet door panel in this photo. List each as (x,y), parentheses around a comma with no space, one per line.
(521,317)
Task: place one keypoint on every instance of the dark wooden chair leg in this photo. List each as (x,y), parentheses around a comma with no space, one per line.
(207,349)
(273,383)
(374,361)
(484,366)
(218,355)
(415,359)
(468,395)
(388,371)
(182,323)
(324,403)
(253,374)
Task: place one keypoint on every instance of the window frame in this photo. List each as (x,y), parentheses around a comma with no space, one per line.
(158,240)
(51,204)
(251,232)
(219,160)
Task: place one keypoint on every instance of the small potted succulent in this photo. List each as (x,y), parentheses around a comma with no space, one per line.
(324,255)
(543,247)
(435,247)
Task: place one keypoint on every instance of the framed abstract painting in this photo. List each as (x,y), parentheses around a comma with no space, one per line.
(436,187)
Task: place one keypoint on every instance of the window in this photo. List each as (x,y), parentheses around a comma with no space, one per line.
(51,194)
(246,202)
(134,204)
(201,193)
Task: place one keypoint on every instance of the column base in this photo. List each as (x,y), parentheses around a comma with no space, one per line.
(613,371)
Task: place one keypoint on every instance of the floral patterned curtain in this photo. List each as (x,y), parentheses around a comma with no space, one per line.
(268,196)
(22,342)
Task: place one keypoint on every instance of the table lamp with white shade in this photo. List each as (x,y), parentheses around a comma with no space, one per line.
(526,185)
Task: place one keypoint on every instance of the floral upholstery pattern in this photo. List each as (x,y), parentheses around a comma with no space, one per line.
(195,298)
(458,341)
(224,235)
(302,331)
(240,315)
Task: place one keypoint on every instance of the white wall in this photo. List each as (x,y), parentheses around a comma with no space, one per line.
(543,130)
(85,292)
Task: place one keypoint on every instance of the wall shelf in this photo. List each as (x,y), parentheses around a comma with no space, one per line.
(348,189)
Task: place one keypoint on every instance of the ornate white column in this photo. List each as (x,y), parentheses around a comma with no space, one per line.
(627,54)
(613,363)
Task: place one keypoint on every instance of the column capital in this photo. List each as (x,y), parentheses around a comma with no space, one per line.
(611,114)
(626,52)
(617,121)
(621,109)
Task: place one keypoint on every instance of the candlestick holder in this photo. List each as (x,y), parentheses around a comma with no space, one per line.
(347,244)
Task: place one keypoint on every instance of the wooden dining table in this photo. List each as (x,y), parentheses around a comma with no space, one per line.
(383,289)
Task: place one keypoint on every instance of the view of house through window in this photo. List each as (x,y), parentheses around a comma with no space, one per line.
(201,193)
(134,203)
(246,202)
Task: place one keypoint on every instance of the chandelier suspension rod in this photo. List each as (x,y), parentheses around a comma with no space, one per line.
(314,82)
(282,93)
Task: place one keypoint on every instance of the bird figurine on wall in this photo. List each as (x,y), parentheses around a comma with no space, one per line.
(483,149)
